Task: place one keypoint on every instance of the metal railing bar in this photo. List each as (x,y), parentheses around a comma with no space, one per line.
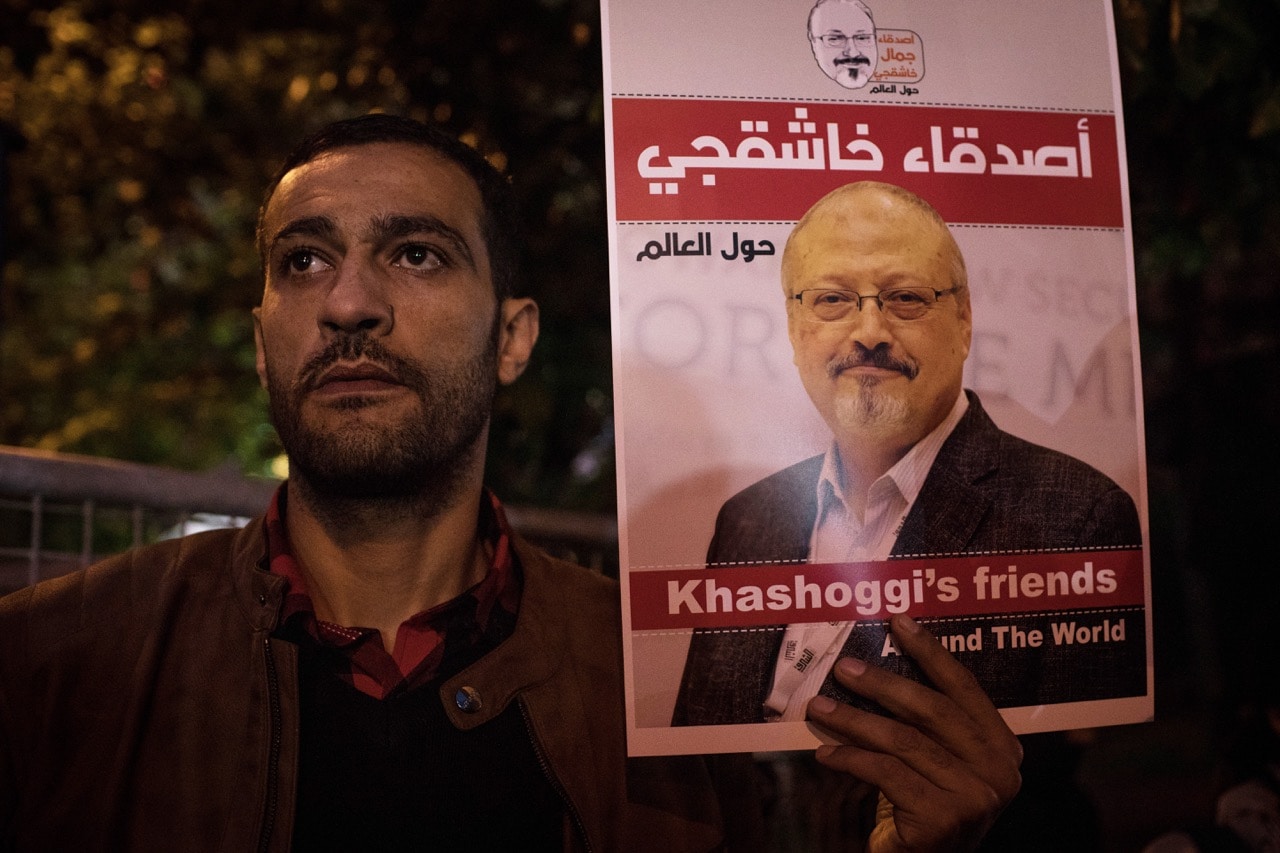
(37,515)
(86,534)
(73,478)
(138,517)
(54,486)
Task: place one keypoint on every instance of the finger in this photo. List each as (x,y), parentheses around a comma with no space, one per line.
(916,705)
(947,674)
(940,800)
(947,812)
(900,758)
(929,730)
(958,713)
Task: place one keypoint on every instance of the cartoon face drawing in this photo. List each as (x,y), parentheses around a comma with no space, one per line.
(843,38)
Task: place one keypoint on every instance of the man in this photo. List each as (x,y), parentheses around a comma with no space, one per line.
(380,662)
(843,38)
(879,319)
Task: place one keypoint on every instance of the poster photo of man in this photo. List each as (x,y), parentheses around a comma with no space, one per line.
(875,354)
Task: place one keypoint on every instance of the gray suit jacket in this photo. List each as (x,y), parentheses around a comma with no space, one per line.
(987,491)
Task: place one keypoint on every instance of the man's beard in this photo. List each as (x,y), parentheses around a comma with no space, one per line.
(869,408)
(421,459)
(853,72)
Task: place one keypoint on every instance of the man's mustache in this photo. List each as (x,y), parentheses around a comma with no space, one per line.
(858,59)
(358,347)
(878,356)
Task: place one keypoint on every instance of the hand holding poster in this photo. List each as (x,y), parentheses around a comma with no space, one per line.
(875,354)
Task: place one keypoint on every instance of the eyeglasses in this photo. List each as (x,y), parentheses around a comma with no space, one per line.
(901,303)
(839,40)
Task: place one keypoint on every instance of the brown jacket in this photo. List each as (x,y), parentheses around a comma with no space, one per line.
(144,705)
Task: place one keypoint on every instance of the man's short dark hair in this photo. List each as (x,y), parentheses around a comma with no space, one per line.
(500,223)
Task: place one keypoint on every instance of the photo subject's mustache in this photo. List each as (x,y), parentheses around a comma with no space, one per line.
(878,357)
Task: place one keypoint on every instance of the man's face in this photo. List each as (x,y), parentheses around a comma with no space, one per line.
(844,43)
(380,340)
(880,383)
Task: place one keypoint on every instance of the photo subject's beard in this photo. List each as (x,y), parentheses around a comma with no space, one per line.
(871,409)
(422,458)
(853,72)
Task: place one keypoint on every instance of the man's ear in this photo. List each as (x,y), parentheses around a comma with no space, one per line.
(516,336)
(261,360)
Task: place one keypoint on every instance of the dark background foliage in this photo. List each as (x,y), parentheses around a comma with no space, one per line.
(139,135)
(150,130)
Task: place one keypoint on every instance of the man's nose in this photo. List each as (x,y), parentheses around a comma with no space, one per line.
(356,301)
(870,326)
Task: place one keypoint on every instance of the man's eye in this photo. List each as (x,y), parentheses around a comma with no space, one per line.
(831,297)
(903,297)
(302,261)
(419,257)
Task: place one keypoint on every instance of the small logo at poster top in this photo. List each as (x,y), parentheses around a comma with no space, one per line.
(900,59)
(850,49)
(842,35)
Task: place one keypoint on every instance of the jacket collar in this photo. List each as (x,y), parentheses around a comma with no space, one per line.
(259,593)
(950,507)
(529,657)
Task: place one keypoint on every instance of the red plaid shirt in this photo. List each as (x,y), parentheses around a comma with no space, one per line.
(420,641)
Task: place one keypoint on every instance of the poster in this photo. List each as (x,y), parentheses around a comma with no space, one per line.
(725,123)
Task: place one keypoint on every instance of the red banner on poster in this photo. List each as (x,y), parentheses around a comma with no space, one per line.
(952,586)
(707,160)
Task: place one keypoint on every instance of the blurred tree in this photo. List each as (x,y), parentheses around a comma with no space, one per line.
(152,129)
(1201,81)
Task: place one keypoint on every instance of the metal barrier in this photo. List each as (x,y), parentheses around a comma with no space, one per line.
(60,512)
